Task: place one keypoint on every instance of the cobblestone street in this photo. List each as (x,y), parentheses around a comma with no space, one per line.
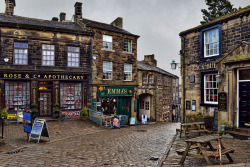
(93,146)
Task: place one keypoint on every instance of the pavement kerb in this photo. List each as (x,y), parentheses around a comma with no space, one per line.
(166,152)
(49,142)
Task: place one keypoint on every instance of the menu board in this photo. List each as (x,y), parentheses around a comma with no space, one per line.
(39,129)
(222,101)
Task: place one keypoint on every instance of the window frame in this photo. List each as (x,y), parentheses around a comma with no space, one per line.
(107,71)
(20,48)
(150,79)
(78,60)
(147,105)
(210,43)
(127,43)
(202,42)
(144,76)
(47,55)
(128,72)
(107,42)
(204,90)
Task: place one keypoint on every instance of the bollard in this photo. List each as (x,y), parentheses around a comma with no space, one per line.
(2,126)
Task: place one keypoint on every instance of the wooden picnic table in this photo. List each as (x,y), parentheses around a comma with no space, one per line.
(193,127)
(202,151)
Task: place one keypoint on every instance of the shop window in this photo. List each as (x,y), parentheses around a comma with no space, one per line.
(210,89)
(71,95)
(150,79)
(141,104)
(107,70)
(127,72)
(147,105)
(127,45)
(48,57)
(17,95)
(73,56)
(107,42)
(144,79)
(20,53)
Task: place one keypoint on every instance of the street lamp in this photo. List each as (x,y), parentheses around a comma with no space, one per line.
(174,65)
(6,59)
(219,77)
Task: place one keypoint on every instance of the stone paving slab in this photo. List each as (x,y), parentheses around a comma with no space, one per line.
(240,156)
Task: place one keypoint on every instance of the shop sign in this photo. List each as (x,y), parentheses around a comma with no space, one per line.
(115,91)
(72,114)
(222,100)
(39,129)
(12,116)
(44,76)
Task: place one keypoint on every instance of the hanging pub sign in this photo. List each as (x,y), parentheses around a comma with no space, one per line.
(39,129)
(222,101)
(44,76)
(115,91)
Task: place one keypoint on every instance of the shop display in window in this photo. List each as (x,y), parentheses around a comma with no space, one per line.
(71,95)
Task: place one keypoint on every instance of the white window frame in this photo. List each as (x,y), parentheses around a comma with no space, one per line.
(147,106)
(210,88)
(128,45)
(127,72)
(48,54)
(107,42)
(20,53)
(212,42)
(107,69)
(150,80)
(73,56)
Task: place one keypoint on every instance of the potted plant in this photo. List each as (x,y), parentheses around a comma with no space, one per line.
(84,113)
(34,111)
(4,113)
(56,111)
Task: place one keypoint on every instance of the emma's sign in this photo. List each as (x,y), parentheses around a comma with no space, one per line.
(45,76)
(115,91)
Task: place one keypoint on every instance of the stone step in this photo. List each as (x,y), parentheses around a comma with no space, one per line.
(239,135)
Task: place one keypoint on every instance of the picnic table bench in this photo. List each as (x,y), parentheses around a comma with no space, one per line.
(202,151)
(193,127)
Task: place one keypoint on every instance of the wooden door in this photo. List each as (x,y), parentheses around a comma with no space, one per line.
(244,104)
(45,104)
(124,106)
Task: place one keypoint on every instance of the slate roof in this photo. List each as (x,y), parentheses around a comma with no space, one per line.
(25,21)
(141,65)
(238,13)
(104,26)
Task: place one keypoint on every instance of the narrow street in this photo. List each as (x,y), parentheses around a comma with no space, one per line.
(141,145)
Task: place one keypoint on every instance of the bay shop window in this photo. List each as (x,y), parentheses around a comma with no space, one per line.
(71,95)
(17,95)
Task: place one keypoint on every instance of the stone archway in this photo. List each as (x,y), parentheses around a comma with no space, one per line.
(145,106)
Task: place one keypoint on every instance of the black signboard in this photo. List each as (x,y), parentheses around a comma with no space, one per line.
(39,129)
(215,121)
(222,99)
(188,105)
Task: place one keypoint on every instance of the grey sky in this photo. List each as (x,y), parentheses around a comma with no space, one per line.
(157,22)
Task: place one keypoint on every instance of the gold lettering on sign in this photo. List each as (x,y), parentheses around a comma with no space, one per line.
(34,76)
(70,77)
(27,76)
(45,77)
(5,75)
(78,77)
(19,76)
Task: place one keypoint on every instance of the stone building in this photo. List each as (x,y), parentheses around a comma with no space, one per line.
(157,91)
(43,62)
(215,69)
(114,66)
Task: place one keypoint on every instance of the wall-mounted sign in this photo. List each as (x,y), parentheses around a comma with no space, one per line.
(44,76)
(188,105)
(72,114)
(222,101)
(192,79)
(115,91)
(193,105)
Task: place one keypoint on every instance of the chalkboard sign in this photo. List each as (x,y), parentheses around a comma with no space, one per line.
(27,122)
(222,101)
(123,120)
(215,121)
(39,129)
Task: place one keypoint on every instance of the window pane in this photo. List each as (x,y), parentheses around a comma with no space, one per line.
(71,95)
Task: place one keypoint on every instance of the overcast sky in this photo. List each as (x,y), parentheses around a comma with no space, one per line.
(157,22)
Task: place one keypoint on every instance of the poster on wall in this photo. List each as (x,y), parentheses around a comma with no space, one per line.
(193,105)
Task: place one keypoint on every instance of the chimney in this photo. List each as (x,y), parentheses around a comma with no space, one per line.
(117,22)
(9,7)
(150,59)
(78,11)
(54,19)
(62,17)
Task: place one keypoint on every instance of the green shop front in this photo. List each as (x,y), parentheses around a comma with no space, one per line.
(116,100)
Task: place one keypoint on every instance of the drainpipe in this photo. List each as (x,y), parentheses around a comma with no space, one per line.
(91,75)
(183,68)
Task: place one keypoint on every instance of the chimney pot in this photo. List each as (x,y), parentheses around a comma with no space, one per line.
(78,11)
(9,7)
(62,16)
(117,22)
(54,19)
